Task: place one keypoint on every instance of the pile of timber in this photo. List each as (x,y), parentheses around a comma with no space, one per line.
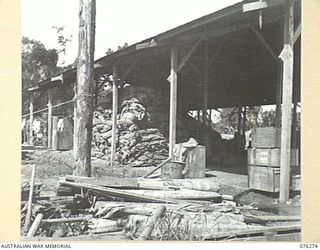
(147,209)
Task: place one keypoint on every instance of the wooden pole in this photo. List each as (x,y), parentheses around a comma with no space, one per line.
(85,88)
(294,126)
(239,120)
(205,83)
(49,145)
(114,116)
(31,119)
(35,225)
(29,210)
(287,58)
(279,87)
(244,120)
(173,101)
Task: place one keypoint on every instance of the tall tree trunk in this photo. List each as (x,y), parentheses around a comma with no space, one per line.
(85,88)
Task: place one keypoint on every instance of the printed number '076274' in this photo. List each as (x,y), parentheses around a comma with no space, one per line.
(308,246)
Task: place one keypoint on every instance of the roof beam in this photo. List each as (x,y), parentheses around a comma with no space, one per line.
(264,42)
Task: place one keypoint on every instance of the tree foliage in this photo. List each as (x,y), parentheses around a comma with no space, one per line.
(38,64)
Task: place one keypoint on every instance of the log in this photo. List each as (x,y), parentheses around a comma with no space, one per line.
(182,194)
(149,227)
(35,225)
(106,226)
(203,184)
(29,211)
(84,93)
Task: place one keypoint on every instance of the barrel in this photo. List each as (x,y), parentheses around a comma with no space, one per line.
(172,170)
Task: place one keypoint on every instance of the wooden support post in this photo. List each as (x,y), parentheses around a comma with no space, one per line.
(31,119)
(173,101)
(49,144)
(239,120)
(74,119)
(114,116)
(54,139)
(279,88)
(244,120)
(205,82)
(287,58)
(294,125)
(198,114)
(85,88)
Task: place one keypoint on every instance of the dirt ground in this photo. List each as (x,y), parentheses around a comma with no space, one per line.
(54,164)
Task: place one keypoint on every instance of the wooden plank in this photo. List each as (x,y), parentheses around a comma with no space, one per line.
(114,116)
(183,194)
(29,210)
(117,193)
(260,230)
(254,6)
(290,237)
(287,89)
(49,145)
(173,101)
(201,184)
(105,181)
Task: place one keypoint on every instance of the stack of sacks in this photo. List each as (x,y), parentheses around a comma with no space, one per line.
(138,144)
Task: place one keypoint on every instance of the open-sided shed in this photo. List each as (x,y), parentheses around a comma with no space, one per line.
(246,54)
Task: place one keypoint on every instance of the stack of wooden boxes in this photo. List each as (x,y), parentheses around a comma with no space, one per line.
(264,161)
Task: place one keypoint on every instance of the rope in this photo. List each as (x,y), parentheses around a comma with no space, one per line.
(41,110)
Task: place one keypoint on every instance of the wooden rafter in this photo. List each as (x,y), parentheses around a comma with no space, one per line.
(216,53)
(264,42)
(129,69)
(297,33)
(187,57)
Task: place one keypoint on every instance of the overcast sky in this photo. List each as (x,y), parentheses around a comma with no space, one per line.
(117,21)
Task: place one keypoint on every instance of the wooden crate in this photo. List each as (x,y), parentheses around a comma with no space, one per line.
(270,157)
(196,162)
(266,137)
(268,178)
